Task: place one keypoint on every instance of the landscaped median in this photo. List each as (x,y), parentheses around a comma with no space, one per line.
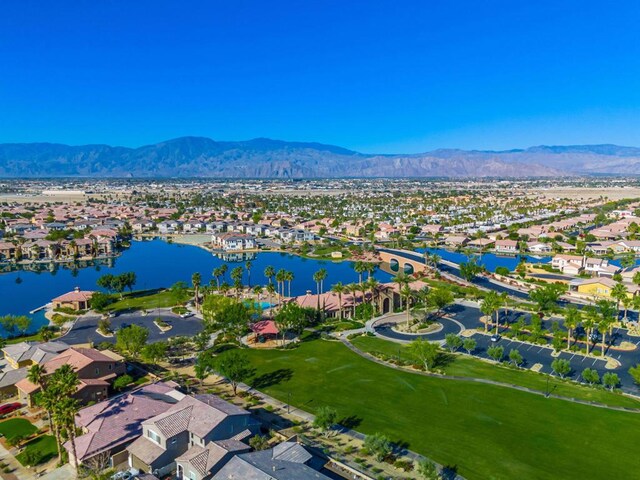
(487,431)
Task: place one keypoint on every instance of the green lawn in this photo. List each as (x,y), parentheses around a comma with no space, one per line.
(466,366)
(488,432)
(17,426)
(142,301)
(38,451)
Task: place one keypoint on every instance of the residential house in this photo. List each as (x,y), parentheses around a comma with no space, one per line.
(96,370)
(286,461)
(569,264)
(75,300)
(506,246)
(196,436)
(539,247)
(233,241)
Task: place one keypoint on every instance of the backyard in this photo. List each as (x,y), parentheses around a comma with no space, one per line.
(485,431)
(38,450)
(17,427)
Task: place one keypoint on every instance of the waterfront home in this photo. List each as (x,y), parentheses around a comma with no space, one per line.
(600,267)
(506,246)
(566,247)
(141,225)
(481,243)
(539,247)
(230,241)
(7,251)
(96,371)
(198,434)
(75,300)
(170,226)
(456,241)
(286,461)
(631,245)
(569,264)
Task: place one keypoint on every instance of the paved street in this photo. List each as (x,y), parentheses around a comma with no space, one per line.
(469,317)
(84,330)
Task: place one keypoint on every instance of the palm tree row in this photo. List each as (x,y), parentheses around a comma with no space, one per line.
(56,397)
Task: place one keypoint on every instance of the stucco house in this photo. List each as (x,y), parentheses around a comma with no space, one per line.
(76,300)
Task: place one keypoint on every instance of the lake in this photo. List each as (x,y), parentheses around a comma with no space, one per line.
(160,264)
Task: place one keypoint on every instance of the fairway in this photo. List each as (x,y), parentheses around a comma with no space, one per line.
(487,432)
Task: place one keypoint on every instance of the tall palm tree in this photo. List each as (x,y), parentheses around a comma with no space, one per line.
(322,275)
(407,293)
(339,289)
(603,328)
(271,290)
(36,375)
(372,285)
(270,272)
(360,268)
(401,279)
(353,289)
(490,305)
(370,268)
(317,279)
(589,322)
(619,292)
(217,274)
(289,276)
(572,318)
(196,280)
(281,277)
(247,266)
(68,408)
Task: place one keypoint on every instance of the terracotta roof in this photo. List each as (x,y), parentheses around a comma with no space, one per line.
(75,296)
(265,327)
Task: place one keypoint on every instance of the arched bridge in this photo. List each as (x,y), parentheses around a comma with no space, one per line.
(401,262)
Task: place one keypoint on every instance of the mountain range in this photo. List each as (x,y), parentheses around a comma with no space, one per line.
(266,158)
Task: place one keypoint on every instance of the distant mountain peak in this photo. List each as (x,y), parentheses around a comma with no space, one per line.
(194,156)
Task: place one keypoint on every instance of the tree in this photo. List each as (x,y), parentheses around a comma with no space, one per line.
(469,270)
(46,333)
(100,301)
(247,267)
(425,352)
(122,381)
(516,357)
(236,276)
(469,344)
(453,341)
(204,366)
(153,352)
(561,366)
(428,470)
(11,323)
(269,273)
(490,305)
(619,292)
(439,298)
(635,373)
(234,366)
(407,293)
(326,417)
(378,445)
(132,339)
(359,268)
(128,280)
(591,376)
(259,443)
(496,352)
(339,289)
(547,297)
(610,380)
(572,319)
(196,281)
(106,282)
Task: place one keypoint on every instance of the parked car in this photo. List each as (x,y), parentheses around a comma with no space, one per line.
(9,407)
(186,315)
(495,337)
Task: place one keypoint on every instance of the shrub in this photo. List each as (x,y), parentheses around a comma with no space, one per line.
(122,381)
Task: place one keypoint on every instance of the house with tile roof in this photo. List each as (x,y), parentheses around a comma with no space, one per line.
(286,461)
(96,371)
(197,435)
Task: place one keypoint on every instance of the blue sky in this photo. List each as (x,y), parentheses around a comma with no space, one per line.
(375,76)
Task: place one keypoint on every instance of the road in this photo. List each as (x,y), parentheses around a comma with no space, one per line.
(469,317)
(84,330)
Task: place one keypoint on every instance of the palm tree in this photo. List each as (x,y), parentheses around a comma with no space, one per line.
(68,408)
(289,276)
(603,328)
(317,279)
(271,290)
(196,280)
(619,292)
(372,285)
(572,318)
(217,274)
(636,278)
(589,322)
(370,268)
(269,272)
(36,375)
(322,275)
(407,293)
(353,289)
(236,276)
(247,266)
(281,277)
(490,305)
(401,279)
(360,268)
(339,289)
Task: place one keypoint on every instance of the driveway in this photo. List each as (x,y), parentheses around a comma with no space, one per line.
(84,330)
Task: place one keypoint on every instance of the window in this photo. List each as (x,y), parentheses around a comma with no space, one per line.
(97,371)
(110,367)
(153,436)
(192,475)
